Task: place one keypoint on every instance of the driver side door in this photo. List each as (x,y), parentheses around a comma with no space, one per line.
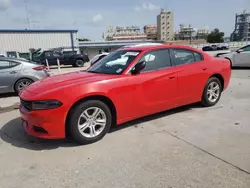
(156,85)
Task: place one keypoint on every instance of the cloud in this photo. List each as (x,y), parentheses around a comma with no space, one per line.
(4,4)
(147,7)
(97,18)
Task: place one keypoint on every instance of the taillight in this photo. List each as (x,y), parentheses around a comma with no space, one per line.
(39,68)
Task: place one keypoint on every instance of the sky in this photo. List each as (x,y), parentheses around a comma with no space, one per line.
(92,17)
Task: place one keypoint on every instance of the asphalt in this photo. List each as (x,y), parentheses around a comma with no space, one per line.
(191,147)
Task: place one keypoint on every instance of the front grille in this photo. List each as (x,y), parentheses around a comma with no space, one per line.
(26,104)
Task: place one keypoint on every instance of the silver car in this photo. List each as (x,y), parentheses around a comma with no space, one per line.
(16,74)
(239,57)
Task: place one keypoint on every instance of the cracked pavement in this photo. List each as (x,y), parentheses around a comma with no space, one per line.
(186,147)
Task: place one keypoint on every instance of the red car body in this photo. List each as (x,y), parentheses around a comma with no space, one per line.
(132,96)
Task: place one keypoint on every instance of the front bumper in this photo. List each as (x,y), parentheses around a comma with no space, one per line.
(46,124)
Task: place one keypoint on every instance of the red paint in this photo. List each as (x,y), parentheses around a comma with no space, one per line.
(134,96)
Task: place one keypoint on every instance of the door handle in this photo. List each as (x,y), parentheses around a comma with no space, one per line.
(204,69)
(13,72)
(172,77)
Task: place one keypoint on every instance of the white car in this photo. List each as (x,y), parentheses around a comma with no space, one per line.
(239,57)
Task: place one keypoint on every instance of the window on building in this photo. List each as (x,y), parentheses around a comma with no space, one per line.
(157,60)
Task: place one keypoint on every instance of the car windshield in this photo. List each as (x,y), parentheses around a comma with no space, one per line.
(114,63)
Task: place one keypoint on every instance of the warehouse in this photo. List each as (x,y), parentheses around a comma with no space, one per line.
(17,43)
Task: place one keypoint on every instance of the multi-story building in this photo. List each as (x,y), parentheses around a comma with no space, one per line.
(151,31)
(165,26)
(124,33)
(190,33)
(242,27)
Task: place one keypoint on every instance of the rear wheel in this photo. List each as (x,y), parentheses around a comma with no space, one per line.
(89,121)
(78,63)
(21,84)
(212,92)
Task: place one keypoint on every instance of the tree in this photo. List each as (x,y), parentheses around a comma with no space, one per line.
(215,36)
(83,40)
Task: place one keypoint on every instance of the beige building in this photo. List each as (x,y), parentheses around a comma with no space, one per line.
(165,25)
(151,31)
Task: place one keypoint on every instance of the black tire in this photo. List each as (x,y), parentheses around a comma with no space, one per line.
(78,63)
(76,112)
(18,87)
(205,99)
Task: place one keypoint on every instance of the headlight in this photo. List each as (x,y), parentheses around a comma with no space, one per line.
(45,105)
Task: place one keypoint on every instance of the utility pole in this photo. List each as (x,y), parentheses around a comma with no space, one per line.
(27,12)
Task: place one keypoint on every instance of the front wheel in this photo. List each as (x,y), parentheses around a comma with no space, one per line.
(89,121)
(212,92)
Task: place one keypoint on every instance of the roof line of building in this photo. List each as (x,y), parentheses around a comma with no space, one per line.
(38,31)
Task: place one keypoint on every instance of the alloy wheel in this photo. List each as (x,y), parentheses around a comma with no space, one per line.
(92,122)
(213,91)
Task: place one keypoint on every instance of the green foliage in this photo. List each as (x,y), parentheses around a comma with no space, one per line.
(215,36)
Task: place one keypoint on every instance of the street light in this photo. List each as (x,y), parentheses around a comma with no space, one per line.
(190,34)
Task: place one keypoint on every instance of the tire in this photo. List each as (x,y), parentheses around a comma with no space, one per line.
(207,100)
(89,124)
(21,84)
(78,63)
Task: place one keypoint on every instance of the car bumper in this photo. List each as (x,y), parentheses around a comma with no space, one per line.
(46,124)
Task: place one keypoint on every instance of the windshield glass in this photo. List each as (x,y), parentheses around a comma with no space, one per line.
(115,63)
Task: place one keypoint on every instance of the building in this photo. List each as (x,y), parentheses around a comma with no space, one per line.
(165,26)
(242,27)
(124,33)
(151,31)
(189,33)
(17,43)
(93,48)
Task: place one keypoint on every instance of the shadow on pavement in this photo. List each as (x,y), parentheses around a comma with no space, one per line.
(14,134)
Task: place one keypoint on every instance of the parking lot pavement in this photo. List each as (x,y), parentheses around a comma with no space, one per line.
(187,147)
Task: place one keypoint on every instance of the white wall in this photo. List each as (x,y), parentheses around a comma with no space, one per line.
(22,42)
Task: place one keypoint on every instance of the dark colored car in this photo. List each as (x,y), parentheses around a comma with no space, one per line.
(74,59)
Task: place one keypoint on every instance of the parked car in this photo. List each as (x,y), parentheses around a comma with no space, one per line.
(97,58)
(239,57)
(15,74)
(76,60)
(145,80)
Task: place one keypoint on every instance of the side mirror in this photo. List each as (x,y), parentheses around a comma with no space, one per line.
(138,67)
(239,51)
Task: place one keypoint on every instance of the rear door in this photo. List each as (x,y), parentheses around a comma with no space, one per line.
(243,58)
(192,74)
(9,71)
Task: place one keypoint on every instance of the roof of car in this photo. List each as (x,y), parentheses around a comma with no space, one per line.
(142,48)
(14,59)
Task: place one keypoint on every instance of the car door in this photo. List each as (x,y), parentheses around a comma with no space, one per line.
(242,57)
(50,57)
(192,75)
(156,87)
(9,71)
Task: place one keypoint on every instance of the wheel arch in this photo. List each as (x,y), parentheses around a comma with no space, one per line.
(101,98)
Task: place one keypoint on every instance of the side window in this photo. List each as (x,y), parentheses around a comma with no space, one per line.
(4,64)
(198,57)
(183,57)
(156,60)
(7,64)
(246,49)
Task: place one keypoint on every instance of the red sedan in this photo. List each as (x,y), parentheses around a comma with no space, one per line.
(127,84)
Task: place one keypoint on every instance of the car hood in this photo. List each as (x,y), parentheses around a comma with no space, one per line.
(65,80)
